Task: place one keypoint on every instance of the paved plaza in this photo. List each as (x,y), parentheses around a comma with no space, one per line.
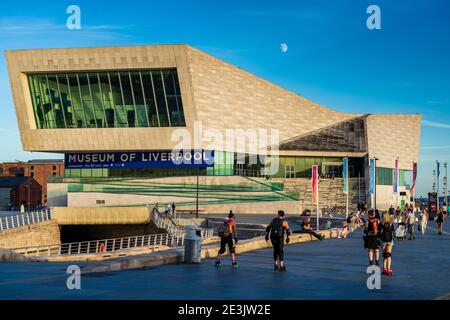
(331,269)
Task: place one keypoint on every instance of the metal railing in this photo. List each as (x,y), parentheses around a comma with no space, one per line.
(24,219)
(109,245)
(175,226)
(103,246)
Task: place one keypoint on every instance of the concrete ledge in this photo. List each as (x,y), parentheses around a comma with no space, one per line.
(7,255)
(143,261)
(260,243)
(208,251)
(100,256)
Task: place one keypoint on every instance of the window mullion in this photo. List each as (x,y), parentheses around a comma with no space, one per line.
(154,98)
(101,99)
(165,98)
(81,100)
(61,101)
(124,108)
(143,96)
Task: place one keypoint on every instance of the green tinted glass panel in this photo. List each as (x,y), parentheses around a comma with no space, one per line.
(107,99)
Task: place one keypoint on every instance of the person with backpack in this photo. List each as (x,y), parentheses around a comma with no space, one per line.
(371,234)
(277,228)
(387,237)
(227,231)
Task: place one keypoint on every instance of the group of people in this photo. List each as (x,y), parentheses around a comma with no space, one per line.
(379,232)
(169,209)
(278,231)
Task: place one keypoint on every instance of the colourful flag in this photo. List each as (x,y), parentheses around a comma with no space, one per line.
(395,176)
(345,173)
(314,183)
(372,176)
(411,190)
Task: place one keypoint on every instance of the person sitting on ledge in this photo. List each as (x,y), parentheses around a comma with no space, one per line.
(306,228)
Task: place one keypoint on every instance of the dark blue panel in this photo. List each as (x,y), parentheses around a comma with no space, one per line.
(140,159)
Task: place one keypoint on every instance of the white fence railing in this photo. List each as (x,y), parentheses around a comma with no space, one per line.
(109,245)
(24,219)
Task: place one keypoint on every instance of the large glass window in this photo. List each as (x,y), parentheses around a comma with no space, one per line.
(107,99)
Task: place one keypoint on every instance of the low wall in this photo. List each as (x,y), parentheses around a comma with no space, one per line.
(38,234)
(101,215)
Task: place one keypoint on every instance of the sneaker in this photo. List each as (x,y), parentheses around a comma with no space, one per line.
(217,264)
(370,263)
(283,268)
(385,271)
(390,272)
(275,267)
(377,263)
(235,264)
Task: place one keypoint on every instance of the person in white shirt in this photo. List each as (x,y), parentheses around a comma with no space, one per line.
(410,220)
(424,221)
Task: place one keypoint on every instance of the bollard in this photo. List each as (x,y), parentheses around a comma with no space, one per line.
(192,244)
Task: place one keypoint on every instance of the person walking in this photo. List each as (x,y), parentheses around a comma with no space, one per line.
(410,220)
(440,221)
(424,221)
(174,207)
(387,237)
(371,238)
(227,231)
(277,229)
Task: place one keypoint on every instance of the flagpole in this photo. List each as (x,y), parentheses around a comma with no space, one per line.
(437,184)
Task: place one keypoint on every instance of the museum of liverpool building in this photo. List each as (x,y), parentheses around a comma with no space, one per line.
(115,114)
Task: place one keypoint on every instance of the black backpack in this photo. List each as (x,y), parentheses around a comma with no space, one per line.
(387,234)
(277,230)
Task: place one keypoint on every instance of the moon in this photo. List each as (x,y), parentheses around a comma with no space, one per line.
(284,47)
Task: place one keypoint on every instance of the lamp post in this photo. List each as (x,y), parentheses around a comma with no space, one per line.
(446,183)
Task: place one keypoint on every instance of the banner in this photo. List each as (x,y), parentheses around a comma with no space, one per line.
(411,190)
(372,176)
(395,176)
(314,183)
(345,173)
(140,159)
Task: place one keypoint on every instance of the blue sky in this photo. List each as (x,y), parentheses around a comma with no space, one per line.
(333,59)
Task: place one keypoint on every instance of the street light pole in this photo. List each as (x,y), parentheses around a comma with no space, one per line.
(446,183)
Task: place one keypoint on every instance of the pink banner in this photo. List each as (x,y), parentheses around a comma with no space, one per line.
(314,182)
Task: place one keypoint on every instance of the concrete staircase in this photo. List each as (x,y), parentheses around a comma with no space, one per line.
(330,192)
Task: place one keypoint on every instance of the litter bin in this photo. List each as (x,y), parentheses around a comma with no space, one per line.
(192,244)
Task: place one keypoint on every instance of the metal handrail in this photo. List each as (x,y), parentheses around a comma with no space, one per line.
(24,219)
(103,246)
(174,228)
(109,245)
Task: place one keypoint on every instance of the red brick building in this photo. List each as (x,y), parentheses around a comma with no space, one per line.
(38,170)
(15,191)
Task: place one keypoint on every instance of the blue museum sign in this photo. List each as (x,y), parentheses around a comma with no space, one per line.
(140,159)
